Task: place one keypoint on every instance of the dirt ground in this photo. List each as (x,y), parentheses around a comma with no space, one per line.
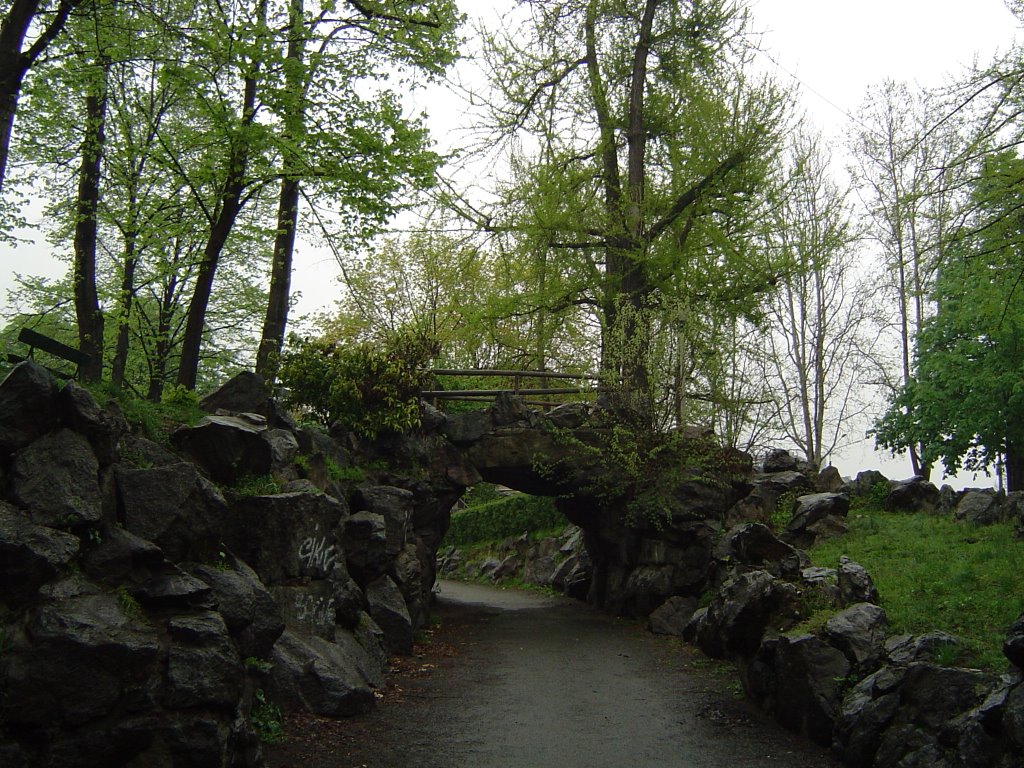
(518,680)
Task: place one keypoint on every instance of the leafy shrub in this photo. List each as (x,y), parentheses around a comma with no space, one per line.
(366,387)
(504,517)
(266,719)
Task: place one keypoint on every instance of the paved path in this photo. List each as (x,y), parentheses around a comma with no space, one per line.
(541,682)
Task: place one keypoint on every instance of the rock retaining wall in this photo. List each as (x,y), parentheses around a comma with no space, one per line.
(143,603)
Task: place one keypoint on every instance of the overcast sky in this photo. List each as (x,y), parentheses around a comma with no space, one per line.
(834,49)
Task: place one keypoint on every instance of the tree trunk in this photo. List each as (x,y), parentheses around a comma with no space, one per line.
(280,281)
(1014,468)
(220,228)
(276,321)
(87,308)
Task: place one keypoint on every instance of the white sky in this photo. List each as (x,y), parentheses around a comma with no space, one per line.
(835,49)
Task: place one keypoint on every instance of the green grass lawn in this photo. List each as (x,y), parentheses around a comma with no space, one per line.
(935,573)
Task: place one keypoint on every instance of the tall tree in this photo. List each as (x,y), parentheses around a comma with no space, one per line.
(905,148)
(655,139)
(965,404)
(817,333)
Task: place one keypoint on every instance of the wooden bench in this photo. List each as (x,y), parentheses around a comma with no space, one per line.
(34,340)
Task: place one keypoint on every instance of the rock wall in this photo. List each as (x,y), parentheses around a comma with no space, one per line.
(143,602)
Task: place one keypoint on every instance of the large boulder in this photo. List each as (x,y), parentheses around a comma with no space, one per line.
(30,555)
(247,392)
(672,616)
(288,536)
(230,448)
(251,615)
(28,396)
(333,679)
(388,609)
(754,544)
(809,679)
(778,460)
(56,479)
(913,495)
(175,507)
(866,712)
(741,612)
(817,516)
(1013,647)
(980,507)
(859,632)
(855,583)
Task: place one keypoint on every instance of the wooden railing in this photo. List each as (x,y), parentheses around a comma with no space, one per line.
(530,395)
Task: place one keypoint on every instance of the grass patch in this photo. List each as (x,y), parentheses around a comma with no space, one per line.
(937,573)
(503,517)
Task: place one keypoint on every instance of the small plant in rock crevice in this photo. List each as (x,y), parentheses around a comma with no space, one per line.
(266,719)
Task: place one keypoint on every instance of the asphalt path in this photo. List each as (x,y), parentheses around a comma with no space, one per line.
(532,681)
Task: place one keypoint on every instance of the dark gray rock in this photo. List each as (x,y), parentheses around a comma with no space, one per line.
(171,589)
(80,659)
(855,583)
(30,555)
(821,586)
(828,480)
(102,427)
(672,616)
(288,536)
(809,677)
(203,669)
(504,569)
(906,649)
(365,542)
(247,392)
(980,507)
(540,570)
(866,712)
(137,452)
(1013,718)
(913,495)
(859,632)
(28,396)
(176,508)
(755,544)
(569,415)
(783,482)
(308,609)
(778,460)
(387,608)
(741,612)
(56,479)
(122,557)
(932,695)
(1013,647)
(333,679)
(250,614)
(230,448)
(395,505)
(865,483)
(817,516)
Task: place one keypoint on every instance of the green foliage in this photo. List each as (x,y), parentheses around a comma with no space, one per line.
(256,485)
(783,511)
(367,388)
(154,420)
(503,517)
(937,573)
(641,470)
(129,605)
(965,404)
(266,719)
(259,665)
